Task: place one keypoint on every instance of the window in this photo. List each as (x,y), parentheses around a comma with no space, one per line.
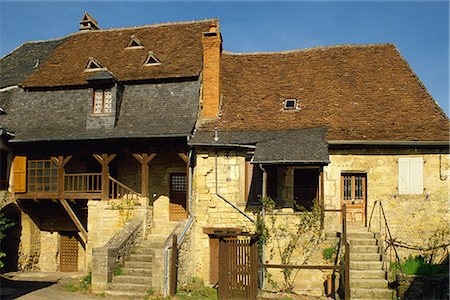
(290,104)
(354,187)
(42,176)
(134,43)
(102,103)
(410,176)
(151,60)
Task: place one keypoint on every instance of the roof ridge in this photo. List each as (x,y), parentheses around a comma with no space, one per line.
(145,26)
(311,49)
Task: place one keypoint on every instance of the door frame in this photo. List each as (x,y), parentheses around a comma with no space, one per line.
(185,202)
(354,207)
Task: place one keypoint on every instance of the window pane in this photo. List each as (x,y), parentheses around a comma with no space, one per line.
(108,101)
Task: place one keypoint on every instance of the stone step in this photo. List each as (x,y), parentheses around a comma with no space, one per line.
(139,249)
(132,279)
(138,264)
(373,293)
(366,265)
(129,287)
(125,294)
(141,257)
(363,249)
(137,271)
(368,283)
(367,274)
(360,235)
(354,256)
(362,242)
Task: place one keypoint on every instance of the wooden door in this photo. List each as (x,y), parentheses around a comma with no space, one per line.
(238,268)
(354,195)
(68,253)
(178,205)
(306,188)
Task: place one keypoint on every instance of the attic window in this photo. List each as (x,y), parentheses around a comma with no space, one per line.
(102,102)
(93,65)
(290,104)
(134,43)
(151,60)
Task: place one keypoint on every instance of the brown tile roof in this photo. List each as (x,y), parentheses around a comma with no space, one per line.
(177,45)
(360,92)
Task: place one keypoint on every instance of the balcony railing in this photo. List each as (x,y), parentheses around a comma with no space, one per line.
(83,183)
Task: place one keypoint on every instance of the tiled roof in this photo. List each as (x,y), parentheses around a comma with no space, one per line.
(176,45)
(24,60)
(360,92)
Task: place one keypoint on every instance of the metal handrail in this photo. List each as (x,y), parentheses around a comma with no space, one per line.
(391,240)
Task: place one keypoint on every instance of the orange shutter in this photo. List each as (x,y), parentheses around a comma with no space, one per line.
(20,174)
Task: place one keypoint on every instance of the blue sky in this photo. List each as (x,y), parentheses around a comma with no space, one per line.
(419,29)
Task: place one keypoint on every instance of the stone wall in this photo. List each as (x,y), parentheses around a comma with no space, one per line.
(49,255)
(30,245)
(105,218)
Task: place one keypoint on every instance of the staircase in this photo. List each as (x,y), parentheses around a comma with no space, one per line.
(367,277)
(144,268)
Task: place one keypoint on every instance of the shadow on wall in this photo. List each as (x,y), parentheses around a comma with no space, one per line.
(11,241)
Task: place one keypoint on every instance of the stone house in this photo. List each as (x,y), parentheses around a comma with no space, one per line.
(120,138)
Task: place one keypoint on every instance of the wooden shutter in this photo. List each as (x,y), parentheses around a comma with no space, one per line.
(403,176)
(20,174)
(416,175)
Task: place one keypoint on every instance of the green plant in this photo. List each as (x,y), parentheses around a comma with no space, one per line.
(150,291)
(196,289)
(118,271)
(5,224)
(287,238)
(328,253)
(418,266)
(80,285)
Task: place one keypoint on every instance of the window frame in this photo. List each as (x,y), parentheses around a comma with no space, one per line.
(103,112)
(353,197)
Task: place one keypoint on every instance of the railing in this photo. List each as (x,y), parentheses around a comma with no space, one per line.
(83,182)
(118,190)
(389,240)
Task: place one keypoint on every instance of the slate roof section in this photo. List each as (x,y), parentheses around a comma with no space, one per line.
(359,92)
(177,45)
(20,63)
(302,146)
(146,111)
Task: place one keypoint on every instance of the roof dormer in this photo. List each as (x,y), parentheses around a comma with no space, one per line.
(134,43)
(151,60)
(93,65)
(88,23)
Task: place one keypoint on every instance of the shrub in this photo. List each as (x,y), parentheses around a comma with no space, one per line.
(328,253)
(418,266)
(197,290)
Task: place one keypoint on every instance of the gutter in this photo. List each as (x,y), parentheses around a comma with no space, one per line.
(185,229)
(389,143)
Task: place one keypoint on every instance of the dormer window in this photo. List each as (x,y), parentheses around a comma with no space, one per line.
(134,43)
(151,60)
(102,102)
(290,104)
(93,65)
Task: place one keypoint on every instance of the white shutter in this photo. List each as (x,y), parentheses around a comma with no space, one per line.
(416,175)
(403,176)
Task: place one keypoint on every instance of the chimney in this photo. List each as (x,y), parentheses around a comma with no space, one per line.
(212,49)
(88,23)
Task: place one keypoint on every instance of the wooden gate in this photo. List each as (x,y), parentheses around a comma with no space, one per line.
(238,268)
(68,253)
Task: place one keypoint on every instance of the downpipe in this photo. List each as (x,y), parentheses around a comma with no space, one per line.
(263,215)
(185,229)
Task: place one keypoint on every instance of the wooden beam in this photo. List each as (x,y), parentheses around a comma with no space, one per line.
(60,162)
(104,160)
(184,157)
(144,159)
(75,219)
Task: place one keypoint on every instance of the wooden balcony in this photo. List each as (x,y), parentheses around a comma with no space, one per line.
(77,186)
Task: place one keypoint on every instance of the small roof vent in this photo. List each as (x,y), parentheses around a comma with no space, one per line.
(134,43)
(2,111)
(290,104)
(88,23)
(93,65)
(151,60)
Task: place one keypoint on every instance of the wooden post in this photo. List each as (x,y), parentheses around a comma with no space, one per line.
(321,199)
(347,271)
(344,223)
(104,160)
(60,162)
(144,159)
(174,267)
